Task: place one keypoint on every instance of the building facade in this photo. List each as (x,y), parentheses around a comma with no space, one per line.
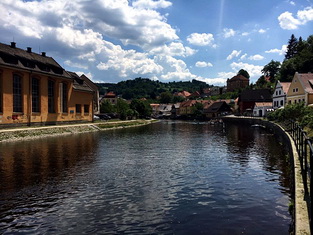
(237,82)
(301,89)
(35,89)
(280,94)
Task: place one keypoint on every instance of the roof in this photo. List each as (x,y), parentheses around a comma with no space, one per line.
(306,80)
(217,106)
(182,93)
(78,83)
(238,77)
(89,82)
(260,95)
(110,94)
(285,86)
(263,104)
(15,57)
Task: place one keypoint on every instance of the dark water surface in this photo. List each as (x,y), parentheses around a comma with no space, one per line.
(165,178)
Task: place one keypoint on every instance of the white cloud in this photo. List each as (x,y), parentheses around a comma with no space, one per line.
(202,39)
(234,53)
(289,22)
(256,57)
(88,75)
(228,33)
(253,70)
(244,56)
(173,49)
(203,64)
(75,65)
(262,31)
(292,3)
(281,51)
(245,33)
(149,4)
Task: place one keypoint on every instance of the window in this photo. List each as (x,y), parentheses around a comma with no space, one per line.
(35,96)
(63,97)
(51,96)
(281,103)
(86,108)
(17,94)
(280,92)
(78,108)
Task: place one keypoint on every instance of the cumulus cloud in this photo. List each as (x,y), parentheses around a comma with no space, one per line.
(289,22)
(202,39)
(262,31)
(203,64)
(173,49)
(234,54)
(244,56)
(149,4)
(281,51)
(256,57)
(253,70)
(227,33)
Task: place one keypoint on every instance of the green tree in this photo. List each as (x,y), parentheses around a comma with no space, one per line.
(271,69)
(243,73)
(142,107)
(107,107)
(292,47)
(166,97)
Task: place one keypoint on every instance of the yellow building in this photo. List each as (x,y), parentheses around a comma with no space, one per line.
(35,89)
(301,89)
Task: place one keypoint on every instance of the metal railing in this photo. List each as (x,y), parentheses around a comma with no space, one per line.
(304,146)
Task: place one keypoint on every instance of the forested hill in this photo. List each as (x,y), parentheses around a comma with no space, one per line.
(144,87)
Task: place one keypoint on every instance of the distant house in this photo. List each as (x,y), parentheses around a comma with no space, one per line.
(165,110)
(301,89)
(187,107)
(216,90)
(280,94)
(237,82)
(217,109)
(35,89)
(248,98)
(111,97)
(262,108)
(195,95)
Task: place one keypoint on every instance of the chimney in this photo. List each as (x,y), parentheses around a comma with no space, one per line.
(43,54)
(29,49)
(13,45)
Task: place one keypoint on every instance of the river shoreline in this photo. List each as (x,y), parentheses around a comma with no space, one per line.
(30,133)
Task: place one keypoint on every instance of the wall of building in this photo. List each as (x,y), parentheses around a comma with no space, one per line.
(7,116)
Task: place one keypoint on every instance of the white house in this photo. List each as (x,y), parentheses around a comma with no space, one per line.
(280,94)
(262,108)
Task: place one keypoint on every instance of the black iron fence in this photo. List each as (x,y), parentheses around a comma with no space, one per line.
(304,146)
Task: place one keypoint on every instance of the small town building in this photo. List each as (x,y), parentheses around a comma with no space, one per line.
(217,109)
(237,82)
(111,97)
(248,98)
(183,94)
(301,89)
(35,89)
(96,95)
(261,109)
(280,94)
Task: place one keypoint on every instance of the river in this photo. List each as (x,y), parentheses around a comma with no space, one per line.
(170,177)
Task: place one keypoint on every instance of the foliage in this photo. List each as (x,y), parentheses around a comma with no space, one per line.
(271,69)
(107,107)
(291,47)
(243,73)
(166,97)
(298,112)
(141,107)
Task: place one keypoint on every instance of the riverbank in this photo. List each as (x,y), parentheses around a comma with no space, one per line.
(25,133)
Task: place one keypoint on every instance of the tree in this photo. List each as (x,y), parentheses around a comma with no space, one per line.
(142,107)
(107,107)
(292,47)
(271,69)
(166,97)
(243,73)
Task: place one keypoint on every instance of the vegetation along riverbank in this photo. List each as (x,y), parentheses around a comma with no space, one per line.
(40,132)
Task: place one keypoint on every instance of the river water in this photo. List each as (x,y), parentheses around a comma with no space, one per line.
(165,178)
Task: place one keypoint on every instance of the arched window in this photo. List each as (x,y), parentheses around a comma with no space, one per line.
(51,96)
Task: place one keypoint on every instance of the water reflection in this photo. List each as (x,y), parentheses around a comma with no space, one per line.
(169,177)
(34,162)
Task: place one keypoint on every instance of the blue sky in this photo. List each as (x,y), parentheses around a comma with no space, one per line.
(177,40)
